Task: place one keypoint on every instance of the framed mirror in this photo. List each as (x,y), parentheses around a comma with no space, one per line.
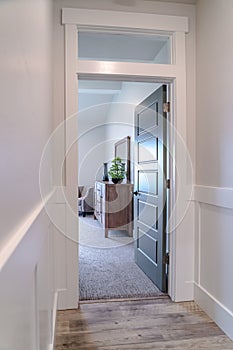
(122,150)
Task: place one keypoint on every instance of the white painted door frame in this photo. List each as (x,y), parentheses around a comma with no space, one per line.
(175,73)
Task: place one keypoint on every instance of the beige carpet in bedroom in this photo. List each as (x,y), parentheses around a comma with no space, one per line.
(92,234)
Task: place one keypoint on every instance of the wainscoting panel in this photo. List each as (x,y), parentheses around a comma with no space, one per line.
(218,196)
(213,254)
(26,293)
(31,277)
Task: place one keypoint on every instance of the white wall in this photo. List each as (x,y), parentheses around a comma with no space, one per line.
(120,119)
(92,145)
(25,106)
(214,92)
(214,172)
(26,267)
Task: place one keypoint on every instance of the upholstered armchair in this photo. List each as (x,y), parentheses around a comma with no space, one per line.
(86,202)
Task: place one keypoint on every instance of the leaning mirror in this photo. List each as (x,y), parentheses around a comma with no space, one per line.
(122,150)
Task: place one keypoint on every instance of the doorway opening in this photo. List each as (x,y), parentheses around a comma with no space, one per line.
(110,267)
(173,71)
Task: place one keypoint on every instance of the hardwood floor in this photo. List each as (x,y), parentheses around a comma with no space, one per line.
(143,324)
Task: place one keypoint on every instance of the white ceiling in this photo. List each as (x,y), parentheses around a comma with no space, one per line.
(190,2)
(95,98)
(93,93)
(132,2)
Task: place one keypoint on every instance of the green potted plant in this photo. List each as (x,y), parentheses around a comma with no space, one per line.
(117,170)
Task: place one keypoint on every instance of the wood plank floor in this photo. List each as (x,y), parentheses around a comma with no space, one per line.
(143,324)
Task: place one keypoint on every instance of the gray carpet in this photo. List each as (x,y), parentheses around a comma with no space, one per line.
(111,274)
(91,234)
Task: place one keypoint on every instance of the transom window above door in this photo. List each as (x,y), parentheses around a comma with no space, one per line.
(124,47)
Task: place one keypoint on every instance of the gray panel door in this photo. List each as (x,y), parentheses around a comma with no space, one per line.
(150,187)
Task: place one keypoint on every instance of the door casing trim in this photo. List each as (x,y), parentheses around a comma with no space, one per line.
(175,74)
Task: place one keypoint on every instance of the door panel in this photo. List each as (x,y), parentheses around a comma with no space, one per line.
(147,214)
(148,150)
(150,184)
(148,181)
(148,117)
(148,245)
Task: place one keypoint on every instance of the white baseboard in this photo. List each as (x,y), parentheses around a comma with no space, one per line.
(54,316)
(219,313)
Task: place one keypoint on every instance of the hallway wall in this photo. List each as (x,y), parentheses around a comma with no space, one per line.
(214,172)
(26,235)
(25,106)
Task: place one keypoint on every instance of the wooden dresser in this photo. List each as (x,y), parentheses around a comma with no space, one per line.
(114,206)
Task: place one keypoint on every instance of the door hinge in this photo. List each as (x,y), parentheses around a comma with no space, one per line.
(168,184)
(166,107)
(166,259)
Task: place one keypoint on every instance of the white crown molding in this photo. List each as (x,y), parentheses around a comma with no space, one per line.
(127,20)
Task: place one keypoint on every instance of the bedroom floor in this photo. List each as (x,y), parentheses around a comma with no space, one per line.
(106,265)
